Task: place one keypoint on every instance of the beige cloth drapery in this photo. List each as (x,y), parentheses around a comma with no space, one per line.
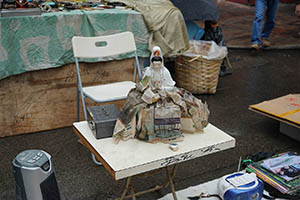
(165,24)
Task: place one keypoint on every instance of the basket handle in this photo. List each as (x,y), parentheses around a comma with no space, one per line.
(193,59)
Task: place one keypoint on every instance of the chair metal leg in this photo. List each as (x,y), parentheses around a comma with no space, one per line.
(77,98)
(84,108)
(134,74)
(138,66)
(83,105)
(95,160)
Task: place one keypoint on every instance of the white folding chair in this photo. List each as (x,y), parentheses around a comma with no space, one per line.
(100,47)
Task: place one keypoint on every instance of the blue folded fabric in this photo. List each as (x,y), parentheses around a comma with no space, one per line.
(195,32)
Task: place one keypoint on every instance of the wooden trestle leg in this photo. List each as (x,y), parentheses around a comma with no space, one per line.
(170,178)
(133,194)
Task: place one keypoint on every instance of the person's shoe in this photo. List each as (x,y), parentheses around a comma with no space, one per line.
(266,42)
(255,47)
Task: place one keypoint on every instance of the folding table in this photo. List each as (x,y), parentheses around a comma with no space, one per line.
(134,157)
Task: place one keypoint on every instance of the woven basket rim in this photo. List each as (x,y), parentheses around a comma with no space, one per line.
(199,76)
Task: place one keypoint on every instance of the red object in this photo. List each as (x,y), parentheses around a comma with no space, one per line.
(252,2)
(21,3)
(288,1)
(245,2)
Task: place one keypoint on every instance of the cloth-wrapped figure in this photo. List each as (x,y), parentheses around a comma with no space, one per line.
(160,77)
(156,110)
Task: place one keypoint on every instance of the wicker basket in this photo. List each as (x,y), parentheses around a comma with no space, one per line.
(197,75)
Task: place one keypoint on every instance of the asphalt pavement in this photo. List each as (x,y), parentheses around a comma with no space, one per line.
(257,76)
(236,22)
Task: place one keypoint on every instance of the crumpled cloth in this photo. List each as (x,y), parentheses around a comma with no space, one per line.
(165,24)
(190,106)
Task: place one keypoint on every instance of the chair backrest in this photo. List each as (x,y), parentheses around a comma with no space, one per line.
(103,46)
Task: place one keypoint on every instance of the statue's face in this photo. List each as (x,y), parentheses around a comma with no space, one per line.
(156,65)
(156,53)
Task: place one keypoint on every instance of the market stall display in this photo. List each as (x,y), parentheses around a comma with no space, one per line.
(280,173)
(132,158)
(42,42)
(165,23)
(41,47)
(153,110)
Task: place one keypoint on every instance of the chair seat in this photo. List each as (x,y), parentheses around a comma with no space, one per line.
(109,92)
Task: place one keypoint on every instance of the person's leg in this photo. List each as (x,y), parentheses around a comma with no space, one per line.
(270,18)
(257,22)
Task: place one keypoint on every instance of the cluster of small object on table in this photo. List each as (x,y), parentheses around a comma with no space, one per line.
(30,7)
(155,110)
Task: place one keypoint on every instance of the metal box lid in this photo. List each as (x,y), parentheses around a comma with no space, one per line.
(104,113)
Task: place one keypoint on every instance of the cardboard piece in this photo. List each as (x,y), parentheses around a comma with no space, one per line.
(286,109)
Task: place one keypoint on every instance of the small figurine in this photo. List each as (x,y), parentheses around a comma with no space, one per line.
(153,110)
(160,75)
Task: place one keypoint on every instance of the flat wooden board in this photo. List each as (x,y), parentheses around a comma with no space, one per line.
(286,109)
(133,157)
(274,117)
(46,99)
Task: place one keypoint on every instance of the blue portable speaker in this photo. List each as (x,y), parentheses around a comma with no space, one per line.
(240,186)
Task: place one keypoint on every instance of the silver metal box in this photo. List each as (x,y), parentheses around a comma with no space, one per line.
(102,120)
(35,176)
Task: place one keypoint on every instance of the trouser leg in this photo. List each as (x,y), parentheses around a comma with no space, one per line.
(270,18)
(257,22)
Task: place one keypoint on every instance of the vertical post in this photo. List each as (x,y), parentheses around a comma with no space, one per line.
(80,89)
(126,188)
(77,98)
(138,66)
(132,192)
(171,183)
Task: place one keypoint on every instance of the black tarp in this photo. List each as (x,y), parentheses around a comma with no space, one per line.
(197,9)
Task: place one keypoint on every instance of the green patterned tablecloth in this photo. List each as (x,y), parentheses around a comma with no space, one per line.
(40,42)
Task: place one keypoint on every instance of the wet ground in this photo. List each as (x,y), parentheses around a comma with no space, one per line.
(257,76)
(236,21)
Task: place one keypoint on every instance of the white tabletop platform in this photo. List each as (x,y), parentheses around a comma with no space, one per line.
(132,157)
(210,187)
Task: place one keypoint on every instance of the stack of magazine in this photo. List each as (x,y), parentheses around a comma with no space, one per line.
(281,172)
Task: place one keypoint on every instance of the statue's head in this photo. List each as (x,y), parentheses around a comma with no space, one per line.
(156,59)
